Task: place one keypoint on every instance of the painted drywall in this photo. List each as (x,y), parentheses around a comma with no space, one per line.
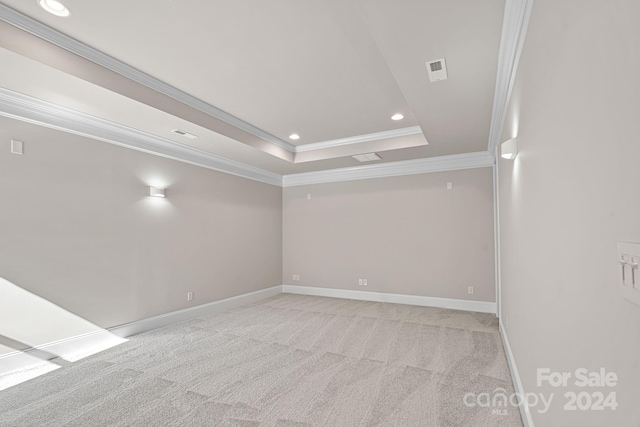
(567,199)
(405,235)
(79,230)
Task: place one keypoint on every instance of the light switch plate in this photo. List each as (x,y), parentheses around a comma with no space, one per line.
(17,147)
(629,277)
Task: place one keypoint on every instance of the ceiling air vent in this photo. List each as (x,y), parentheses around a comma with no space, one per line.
(369,157)
(437,70)
(185,134)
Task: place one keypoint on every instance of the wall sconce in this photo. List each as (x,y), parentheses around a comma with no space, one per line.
(509,149)
(156,192)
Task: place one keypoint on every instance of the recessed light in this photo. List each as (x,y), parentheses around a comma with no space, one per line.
(54,7)
(294,136)
(397,117)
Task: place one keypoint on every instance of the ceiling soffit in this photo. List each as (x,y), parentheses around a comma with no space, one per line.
(32,39)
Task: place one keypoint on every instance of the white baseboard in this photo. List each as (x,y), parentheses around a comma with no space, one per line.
(151,323)
(76,347)
(17,360)
(515,376)
(455,304)
(70,349)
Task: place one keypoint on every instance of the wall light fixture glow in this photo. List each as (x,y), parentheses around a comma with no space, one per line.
(397,117)
(509,149)
(54,7)
(156,192)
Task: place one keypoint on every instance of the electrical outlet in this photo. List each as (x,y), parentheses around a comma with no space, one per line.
(364,282)
(449,185)
(309,196)
(470,290)
(296,277)
(360,282)
(189,296)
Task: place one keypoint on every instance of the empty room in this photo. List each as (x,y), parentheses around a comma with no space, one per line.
(342,213)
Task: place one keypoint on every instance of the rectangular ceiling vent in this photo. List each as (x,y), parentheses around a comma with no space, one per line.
(437,70)
(369,157)
(185,134)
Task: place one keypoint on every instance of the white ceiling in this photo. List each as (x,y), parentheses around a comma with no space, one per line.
(326,70)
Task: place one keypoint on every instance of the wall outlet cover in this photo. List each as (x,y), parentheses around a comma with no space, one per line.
(17,147)
(629,271)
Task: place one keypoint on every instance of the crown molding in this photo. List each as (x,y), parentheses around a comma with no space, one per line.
(394,133)
(50,35)
(514,30)
(32,110)
(83,50)
(381,170)
(26,108)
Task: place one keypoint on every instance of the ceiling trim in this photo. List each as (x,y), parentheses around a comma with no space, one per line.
(83,50)
(407,167)
(32,110)
(50,35)
(394,133)
(514,30)
(28,109)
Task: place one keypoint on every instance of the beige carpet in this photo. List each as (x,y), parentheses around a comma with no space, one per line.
(289,361)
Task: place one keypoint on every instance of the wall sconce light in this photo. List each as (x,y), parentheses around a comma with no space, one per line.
(509,149)
(156,192)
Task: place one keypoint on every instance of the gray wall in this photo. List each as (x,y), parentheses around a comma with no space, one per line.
(567,200)
(405,235)
(77,228)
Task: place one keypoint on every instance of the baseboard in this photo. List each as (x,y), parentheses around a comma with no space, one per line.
(77,346)
(70,349)
(455,304)
(515,377)
(17,360)
(155,322)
